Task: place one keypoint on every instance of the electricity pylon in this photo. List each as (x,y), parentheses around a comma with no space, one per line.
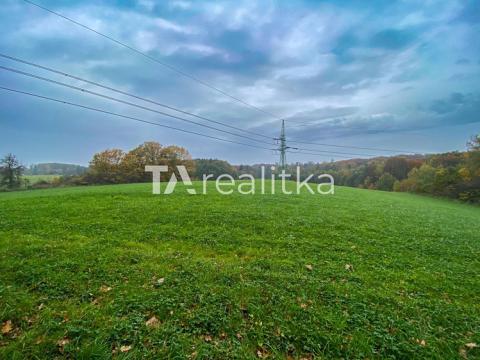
(283,147)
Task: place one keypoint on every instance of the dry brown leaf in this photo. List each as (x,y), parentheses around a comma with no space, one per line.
(160,281)
(61,343)
(239,336)
(125,348)
(471,345)
(41,306)
(153,322)
(308,357)
(309,267)
(7,327)
(105,288)
(262,353)
(349,267)
(421,342)
(207,338)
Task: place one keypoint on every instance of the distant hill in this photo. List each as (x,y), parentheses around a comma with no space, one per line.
(56,169)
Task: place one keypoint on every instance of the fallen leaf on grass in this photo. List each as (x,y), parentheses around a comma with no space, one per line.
(7,327)
(61,343)
(207,338)
(105,288)
(307,357)
(421,342)
(262,353)
(309,267)
(160,281)
(153,322)
(125,348)
(471,345)
(349,267)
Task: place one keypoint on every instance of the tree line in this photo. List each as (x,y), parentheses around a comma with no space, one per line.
(454,174)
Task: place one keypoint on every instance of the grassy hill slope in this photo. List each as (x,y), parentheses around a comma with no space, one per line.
(91,272)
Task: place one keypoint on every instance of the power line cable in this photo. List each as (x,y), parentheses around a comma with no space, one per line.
(350,147)
(160,125)
(308,153)
(192,77)
(124,102)
(128,117)
(170,67)
(332,152)
(128,94)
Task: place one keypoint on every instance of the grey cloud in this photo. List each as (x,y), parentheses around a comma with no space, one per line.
(452,103)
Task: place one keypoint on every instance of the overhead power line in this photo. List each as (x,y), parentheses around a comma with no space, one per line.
(351,147)
(196,79)
(163,63)
(319,152)
(301,151)
(125,102)
(307,153)
(58,72)
(129,117)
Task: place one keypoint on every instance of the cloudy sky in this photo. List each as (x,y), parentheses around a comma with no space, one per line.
(386,74)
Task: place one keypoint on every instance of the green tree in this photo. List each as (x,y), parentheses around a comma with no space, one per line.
(214,167)
(11,172)
(386,182)
(423,179)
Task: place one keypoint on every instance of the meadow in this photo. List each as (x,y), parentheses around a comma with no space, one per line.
(33,179)
(114,271)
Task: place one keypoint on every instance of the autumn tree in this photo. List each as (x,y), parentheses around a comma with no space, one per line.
(11,172)
(105,167)
(176,155)
(152,153)
(398,167)
(134,162)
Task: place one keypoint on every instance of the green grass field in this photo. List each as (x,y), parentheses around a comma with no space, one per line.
(33,179)
(108,271)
